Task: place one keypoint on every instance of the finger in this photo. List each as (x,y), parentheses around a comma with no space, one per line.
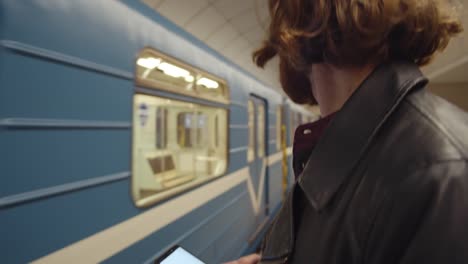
(250,259)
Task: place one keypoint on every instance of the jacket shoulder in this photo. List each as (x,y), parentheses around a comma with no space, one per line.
(424,214)
(422,141)
(424,187)
(424,129)
(444,124)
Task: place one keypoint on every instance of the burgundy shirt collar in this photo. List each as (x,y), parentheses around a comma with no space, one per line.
(305,139)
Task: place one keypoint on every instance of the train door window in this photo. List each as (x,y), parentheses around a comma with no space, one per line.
(251,124)
(279,122)
(261,130)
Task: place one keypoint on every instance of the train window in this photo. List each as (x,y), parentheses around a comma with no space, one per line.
(208,87)
(156,70)
(176,146)
(261,130)
(279,121)
(251,116)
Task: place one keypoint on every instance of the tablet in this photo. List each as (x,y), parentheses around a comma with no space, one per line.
(177,255)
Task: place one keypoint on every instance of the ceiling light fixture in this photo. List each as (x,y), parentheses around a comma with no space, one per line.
(173,70)
(210,84)
(149,63)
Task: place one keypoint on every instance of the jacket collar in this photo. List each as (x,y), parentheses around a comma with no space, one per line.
(354,127)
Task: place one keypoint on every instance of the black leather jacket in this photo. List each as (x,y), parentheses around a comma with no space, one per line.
(387,182)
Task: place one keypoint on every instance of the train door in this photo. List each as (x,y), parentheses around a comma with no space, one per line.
(257,156)
(282,146)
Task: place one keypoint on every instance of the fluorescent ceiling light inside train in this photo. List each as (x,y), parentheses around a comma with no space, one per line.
(210,84)
(166,68)
(189,78)
(149,63)
(173,70)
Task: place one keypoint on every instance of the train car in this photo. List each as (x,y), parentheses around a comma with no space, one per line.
(121,136)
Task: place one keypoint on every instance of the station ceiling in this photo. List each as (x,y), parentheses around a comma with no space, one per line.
(235,28)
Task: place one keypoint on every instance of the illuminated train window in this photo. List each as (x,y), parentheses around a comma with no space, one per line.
(177,145)
(156,70)
(188,149)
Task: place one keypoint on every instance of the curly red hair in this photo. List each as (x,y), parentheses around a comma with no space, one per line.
(356,32)
(352,33)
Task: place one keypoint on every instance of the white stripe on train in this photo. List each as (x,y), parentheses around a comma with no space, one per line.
(104,244)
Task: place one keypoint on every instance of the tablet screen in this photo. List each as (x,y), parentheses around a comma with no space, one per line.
(180,255)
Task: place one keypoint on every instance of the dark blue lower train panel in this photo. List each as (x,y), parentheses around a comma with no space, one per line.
(197,231)
(275,184)
(38,228)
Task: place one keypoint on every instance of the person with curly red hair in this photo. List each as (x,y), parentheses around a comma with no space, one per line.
(383,177)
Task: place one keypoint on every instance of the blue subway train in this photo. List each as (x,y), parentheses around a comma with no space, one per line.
(121,136)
